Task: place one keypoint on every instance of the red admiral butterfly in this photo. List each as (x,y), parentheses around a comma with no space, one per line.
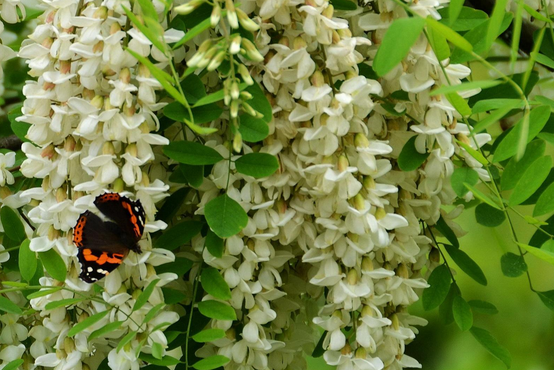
(104,244)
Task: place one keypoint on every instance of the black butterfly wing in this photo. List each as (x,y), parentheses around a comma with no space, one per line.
(100,250)
(127,214)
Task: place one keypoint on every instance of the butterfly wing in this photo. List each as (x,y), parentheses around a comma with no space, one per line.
(100,250)
(127,214)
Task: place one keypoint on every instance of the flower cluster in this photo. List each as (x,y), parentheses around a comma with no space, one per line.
(339,222)
(92,113)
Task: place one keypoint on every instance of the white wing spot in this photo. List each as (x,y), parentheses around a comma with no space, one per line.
(89,269)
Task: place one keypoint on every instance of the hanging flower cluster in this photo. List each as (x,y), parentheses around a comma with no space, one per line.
(339,222)
(92,113)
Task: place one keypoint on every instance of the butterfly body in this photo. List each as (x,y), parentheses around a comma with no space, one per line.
(102,245)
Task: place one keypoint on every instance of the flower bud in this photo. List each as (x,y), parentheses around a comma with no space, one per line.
(108,148)
(463,138)
(237,142)
(216,15)
(100,13)
(88,94)
(231,334)
(359,202)
(361,141)
(360,353)
(251,51)
(395,321)
(97,101)
(367,311)
(245,95)
(48,152)
(343,163)
(245,21)
(249,110)
(118,185)
(234,48)
(299,43)
(61,195)
(188,7)
(145,179)
(367,264)
(231,14)
(245,74)
(206,59)
(328,12)
(352,277)
(317,79)
(115,28)
(380,213)
(369,183)
(234,108)
(402,271)
(125,76)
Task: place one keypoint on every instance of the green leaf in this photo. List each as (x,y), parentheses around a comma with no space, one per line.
(126,339)
(545,204)
(252,129)
(53,264)
(208,335)
(547,136)
(544,60)
(447,232)
(157,350)
(463,175)
(259,102)
(214,284)
(450,34)
(217,310)
(13,227)
(459,103)
(508,146)
(164,361)
(532,179)
(483,307)
(489,342)
(495,115)
(489,216)
(513,265)
(462,313)
(454,10)
(396,44)
(474,153)
(545,101)
(445,309)
(319,350)
(172,204)
(150,34)
(178,234)
(410,159)
(257,165)
(214,244)
(486,105)
(514,169)
(154,310)
(44,292)
(495,23)
(545,253)
(539,238)
(465,86)
(344,5)
(193,174)
(12,365)
(192,152)
(63,302)
(193,32)
(145,295)
(180,266)
(477,37)
(193,87)
(482,196)
(172,296)
(469,266)
(212,362)
(20,129)
(439,282)
(547,298)
(86,323)
(225,216)
(8,306)
(438,43)
(27,261)
(203,114)
(108,328)
(467,19)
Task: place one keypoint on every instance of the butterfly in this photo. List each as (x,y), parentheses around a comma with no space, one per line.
(102,245)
